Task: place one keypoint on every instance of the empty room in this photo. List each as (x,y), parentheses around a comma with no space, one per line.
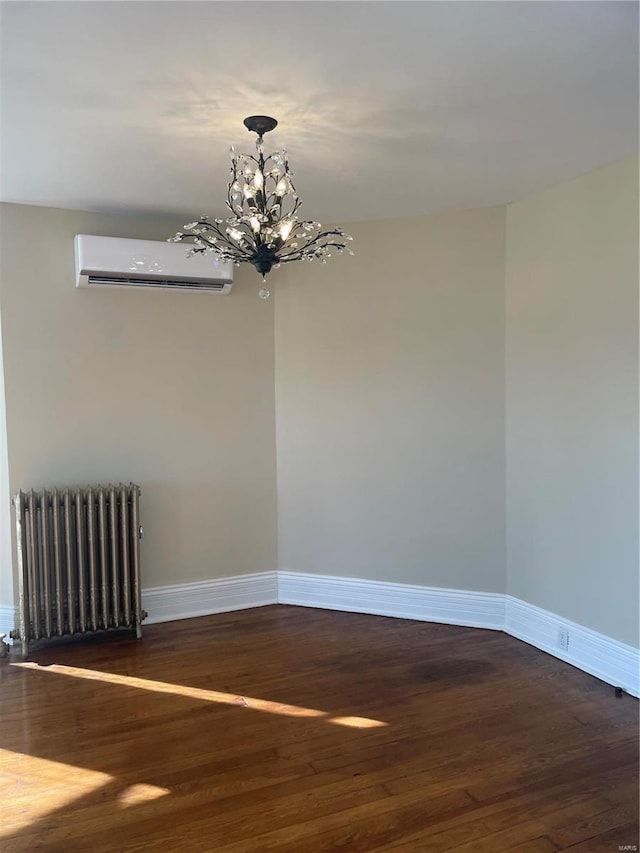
(319,426)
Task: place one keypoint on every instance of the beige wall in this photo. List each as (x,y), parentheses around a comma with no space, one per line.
(6,580)
(389,394)
(572,400)
(173,391)
(390,405)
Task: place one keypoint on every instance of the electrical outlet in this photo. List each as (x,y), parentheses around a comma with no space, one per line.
(563,639)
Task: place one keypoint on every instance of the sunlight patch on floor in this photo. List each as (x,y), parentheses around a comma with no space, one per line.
(140,793)
(201,694)
(48,786)
(356,722)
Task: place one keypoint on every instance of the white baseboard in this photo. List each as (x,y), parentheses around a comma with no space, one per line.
(406,601)
(221,595)
(607,659)
(188,600)
(592,652)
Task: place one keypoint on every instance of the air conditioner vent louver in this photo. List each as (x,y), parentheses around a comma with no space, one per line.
(191,284)
(127,264)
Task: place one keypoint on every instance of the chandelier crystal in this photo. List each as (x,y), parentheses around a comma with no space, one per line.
(264,228)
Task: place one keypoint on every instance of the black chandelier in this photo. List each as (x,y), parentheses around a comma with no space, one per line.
(264,229)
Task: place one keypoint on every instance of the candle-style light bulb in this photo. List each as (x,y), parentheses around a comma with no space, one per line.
(285,228)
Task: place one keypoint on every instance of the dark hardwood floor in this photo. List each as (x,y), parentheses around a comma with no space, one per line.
(299,730)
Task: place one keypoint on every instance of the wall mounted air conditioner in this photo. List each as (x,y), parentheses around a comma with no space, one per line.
(121,263)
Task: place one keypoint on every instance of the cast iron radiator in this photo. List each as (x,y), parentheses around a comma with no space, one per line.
(78,561)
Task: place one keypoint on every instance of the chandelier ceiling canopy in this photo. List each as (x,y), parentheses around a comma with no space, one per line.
(264,228)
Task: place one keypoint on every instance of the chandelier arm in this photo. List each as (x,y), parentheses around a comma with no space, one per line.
(291,250)
(294,191)
(214,227)
(310,251)
(203,224)
(320,236)
(299,254)
(296,256)
(243,253)
(287,246)
(234,171)
(272,194)
(246,157)
(257,236)
(284,213)
(227,244)
(230,201)
(291,213)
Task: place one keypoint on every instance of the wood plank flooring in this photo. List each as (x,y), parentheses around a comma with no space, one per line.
(290,729)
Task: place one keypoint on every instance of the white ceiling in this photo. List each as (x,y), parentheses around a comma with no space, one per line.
(387,108)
